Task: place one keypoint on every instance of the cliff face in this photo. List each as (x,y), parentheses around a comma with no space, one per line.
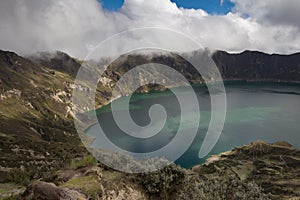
(248,65)
(252,65)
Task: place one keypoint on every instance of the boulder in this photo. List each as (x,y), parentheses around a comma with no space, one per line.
(49,191)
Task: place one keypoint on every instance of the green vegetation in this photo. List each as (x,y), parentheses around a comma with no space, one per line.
(20,177)
(10,191)
(87,161)
(89,184)
(163,182)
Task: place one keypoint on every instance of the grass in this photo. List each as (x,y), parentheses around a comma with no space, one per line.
(86,161)
(8,189)
(89,184)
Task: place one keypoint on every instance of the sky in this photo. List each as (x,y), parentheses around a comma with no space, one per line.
(210,6)
(75,26)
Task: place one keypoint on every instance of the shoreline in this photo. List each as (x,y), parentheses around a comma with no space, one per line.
(225,81)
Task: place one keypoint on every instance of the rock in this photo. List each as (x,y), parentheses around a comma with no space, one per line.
(283,144)
(66,175)
(49,191)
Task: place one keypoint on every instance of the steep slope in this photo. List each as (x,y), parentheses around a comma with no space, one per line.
(35,117)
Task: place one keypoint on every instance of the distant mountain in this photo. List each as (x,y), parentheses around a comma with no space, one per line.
(248,65)
(253,65)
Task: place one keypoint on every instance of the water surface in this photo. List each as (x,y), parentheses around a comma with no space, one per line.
(256,111)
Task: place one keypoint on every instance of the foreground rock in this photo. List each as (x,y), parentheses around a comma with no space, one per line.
(49,191)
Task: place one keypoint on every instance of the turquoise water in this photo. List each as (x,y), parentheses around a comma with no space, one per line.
(256,111)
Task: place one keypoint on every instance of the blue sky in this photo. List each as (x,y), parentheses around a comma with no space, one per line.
(112,4)
(211,6)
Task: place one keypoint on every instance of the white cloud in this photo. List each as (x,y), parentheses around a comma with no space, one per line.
(271,12)
(75,26)
(221,2)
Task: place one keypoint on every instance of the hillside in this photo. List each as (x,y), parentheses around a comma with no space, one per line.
(37,133)
(36,119)
(255,171)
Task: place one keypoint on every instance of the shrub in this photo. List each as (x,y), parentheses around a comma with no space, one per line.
(20,177)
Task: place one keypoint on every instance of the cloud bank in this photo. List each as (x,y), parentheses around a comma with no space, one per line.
(75,26)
